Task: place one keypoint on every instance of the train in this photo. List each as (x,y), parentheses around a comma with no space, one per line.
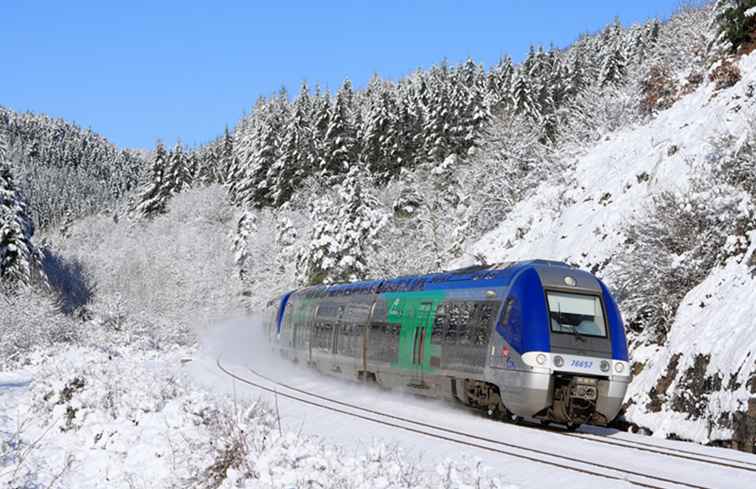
(537,339)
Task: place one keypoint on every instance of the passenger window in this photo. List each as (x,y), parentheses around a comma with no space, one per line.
(439,325)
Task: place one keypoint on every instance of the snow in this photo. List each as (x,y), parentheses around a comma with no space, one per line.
(18,378)
(750,12)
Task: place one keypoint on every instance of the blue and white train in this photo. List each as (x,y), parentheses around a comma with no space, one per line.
(534,339)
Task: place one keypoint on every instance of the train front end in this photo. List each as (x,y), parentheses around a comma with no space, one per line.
(560,354)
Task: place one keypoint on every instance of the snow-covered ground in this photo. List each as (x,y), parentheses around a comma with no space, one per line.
(86,418)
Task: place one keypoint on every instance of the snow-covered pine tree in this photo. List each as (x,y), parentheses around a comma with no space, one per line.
(297,155)
(3,148)
(614,66)
(345,228)
(524,101)
(254,189)
(339,145)
(499,85)
(20,260)
(224,161)
(734,23)
(380,138)
(245,226)
(409,124)
(471,111)
(286,237)
(153,198)
(438,123)
(179,175)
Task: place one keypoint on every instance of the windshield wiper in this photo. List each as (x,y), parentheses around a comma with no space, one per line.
(578,336)
(575,331)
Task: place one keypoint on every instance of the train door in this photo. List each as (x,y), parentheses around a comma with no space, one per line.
(423,316)
(311,331)
(336,330)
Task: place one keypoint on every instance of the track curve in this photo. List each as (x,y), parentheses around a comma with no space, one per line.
(471,440)
(644,447)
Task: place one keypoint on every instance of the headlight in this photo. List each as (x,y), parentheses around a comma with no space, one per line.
(619,367)
(558,361)
(605,366)
(541,359)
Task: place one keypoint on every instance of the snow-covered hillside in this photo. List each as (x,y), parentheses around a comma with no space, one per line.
(701,375)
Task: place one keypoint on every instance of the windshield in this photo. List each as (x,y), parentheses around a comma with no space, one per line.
(576,314)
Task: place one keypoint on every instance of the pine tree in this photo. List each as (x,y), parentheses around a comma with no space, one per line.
(286,238)
(339,145)
(296,157)
(734,24)
(344,232)
(225,159)
(245,226)
(380,138)
(20,260)
(153,198)
(499,85)
(613,69)
(179,176)
(254,189)
(525,102)
(438,107)
(614,65)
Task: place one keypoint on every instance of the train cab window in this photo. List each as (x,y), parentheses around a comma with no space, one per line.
(576,314)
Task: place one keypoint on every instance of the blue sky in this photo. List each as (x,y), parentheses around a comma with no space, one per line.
(137,71)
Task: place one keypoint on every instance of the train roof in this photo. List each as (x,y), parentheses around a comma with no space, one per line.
(496,275)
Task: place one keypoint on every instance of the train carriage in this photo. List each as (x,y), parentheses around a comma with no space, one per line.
(536,339)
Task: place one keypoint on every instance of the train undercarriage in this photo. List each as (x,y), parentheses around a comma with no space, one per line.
(573,398)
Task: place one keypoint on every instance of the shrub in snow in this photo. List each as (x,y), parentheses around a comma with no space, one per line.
(725,74)
(672,248)
(159,278)
(658,90)
(29,320)
(736,157)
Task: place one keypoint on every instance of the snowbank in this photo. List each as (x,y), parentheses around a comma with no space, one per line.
(14,379)
(129,418)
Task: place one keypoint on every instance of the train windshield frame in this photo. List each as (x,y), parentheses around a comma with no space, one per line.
(576,314)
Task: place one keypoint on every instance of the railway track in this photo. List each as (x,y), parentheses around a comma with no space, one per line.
(670,452)
(564,462)
(636,445)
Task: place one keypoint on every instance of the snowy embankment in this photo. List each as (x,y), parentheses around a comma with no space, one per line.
(85,418)
(582,218)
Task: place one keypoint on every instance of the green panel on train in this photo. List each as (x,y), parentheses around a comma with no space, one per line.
(414,312)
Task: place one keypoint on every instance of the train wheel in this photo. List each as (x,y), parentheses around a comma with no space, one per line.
(572,426)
